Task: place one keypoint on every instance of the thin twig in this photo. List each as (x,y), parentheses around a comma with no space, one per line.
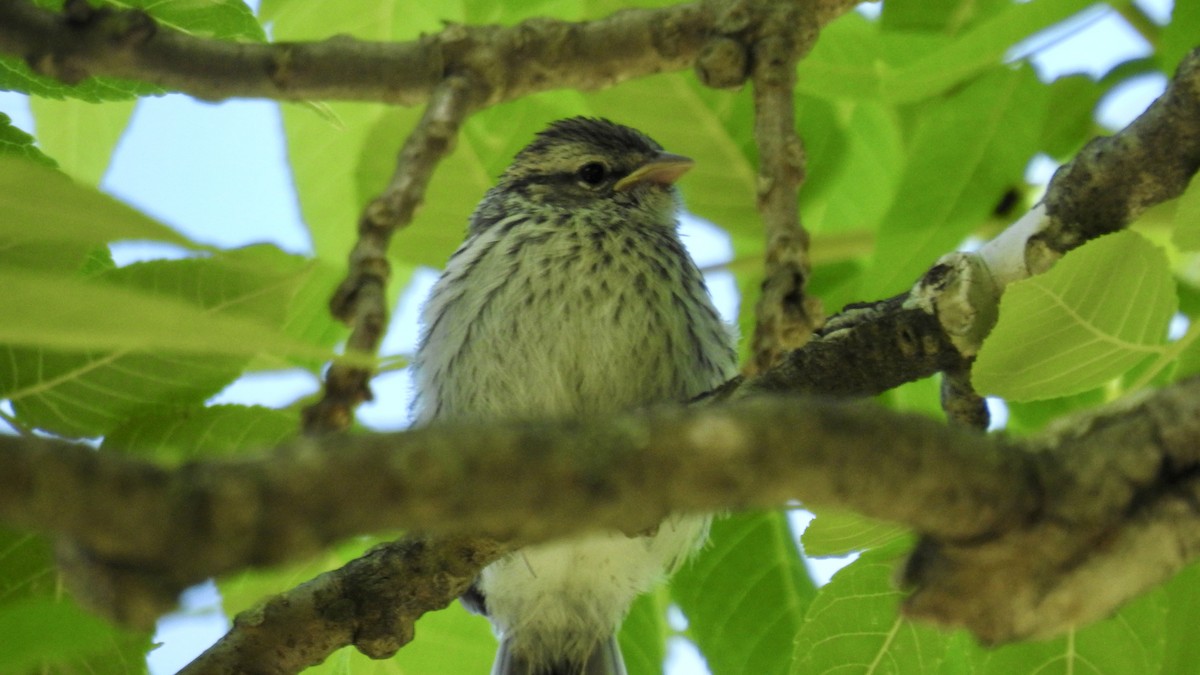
(361,299)
(785,317)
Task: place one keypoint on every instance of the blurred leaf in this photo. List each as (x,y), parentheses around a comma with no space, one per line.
(644,633)
(37,632)
(44,630)
(1098,312)
(80,135)
(15,143)
(967,150)
(1179,36)
(202,432)
(1186,235)
(839,533)
(1073,100)
(1030,416)
(745,594)
(948,16)
(38,204)
(221,19)
(1182,598)
(854,623)
(1130,642)
(331,201)
(159,335)
(854,194)
(855,59)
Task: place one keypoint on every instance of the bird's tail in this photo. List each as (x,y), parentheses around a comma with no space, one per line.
(605,659)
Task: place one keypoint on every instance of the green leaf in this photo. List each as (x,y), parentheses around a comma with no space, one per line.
(745,594)
(45,631)
(1097,313)
(854,624)
(15,75)
(968,149)
(1186,234)
(220,19)
(1182,598)
(839,533)
(1130,642)
(644,632)
(330,201)
(852,191)
(1073,99)
(80,135)
(1179,36)
(44,628)
(946,16)
(202,432)
(40,205)
(14,142)
(855,60)
(159,335)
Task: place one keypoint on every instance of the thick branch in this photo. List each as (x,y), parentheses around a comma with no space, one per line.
(977,499)
(628,473)
(505,62)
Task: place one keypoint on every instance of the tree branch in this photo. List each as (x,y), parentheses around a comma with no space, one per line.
(980,501)
(939,324)
(785,316)
(361,299)
(505,62)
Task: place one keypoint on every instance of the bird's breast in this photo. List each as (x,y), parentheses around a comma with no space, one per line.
(547,320)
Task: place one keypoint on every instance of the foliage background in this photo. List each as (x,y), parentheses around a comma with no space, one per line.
(921,121)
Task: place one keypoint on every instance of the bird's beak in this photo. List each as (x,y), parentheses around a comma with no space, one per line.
(665,168)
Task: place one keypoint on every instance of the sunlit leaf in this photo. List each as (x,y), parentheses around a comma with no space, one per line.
(968,149)
(80,135)
(745,594)
(837,533)
(1102,309)
(854,623)
(202,432)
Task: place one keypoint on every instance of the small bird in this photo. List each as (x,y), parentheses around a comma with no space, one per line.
(573,296)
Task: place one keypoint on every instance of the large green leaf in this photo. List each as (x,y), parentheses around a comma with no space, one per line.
(1186,234)
(968,149)
(854,59)
(14,142)
(854,624)
(85,354)
(336,135)
(644,633)
(836,533)
(745,594)
(1131,642)
(202,432)
(1102,309)
(40,205)
(1179,36)
(1182,598)
(44,630)
(80,135)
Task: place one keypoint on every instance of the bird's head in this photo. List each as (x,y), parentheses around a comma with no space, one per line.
(586,163)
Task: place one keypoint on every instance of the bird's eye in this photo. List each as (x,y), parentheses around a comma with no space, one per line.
(593,173)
